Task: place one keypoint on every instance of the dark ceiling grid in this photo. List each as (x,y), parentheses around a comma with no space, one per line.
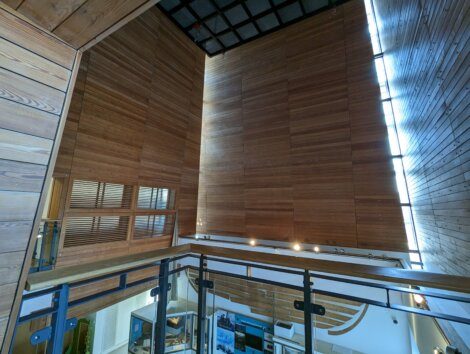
(217,26)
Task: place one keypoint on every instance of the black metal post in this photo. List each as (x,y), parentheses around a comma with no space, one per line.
(160,326)
(201,308)
(308,312)
(58,321)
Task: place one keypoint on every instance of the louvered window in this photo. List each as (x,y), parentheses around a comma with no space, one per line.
(100,212)
(148,226)
(92,195)
(156,198)
(87,230)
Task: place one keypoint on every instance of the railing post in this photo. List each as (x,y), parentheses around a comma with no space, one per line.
(43,243)
(160,326)
(53,253)
(59,320)
(201,308)
(308,312)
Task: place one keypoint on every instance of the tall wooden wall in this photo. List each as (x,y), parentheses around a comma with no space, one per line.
(135,118)
(425,43)
(36,76)
(294,142)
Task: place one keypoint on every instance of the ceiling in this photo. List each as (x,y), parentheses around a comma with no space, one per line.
(217,26)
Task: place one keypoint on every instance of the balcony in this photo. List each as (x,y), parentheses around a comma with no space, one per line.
(46,247)
(221,300)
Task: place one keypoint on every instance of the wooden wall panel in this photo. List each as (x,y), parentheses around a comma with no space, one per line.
(135,120)
(266,140)
(81,22)
(35,77)
(425,46)
(221,205)
(294,143)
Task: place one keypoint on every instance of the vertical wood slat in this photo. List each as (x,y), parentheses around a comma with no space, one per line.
(34,74)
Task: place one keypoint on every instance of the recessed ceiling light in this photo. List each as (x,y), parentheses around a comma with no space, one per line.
(253,242)
(316,249)
(296,247)
(419,299)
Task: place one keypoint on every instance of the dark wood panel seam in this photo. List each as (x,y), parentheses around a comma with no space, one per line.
(32,107)
(39,55)
(77,9)
(29,78)
(16,131)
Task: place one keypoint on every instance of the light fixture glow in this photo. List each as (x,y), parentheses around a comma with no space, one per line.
(419,299)
(253,242)
(39,236)
(316,249)
(196,237)
(296,247)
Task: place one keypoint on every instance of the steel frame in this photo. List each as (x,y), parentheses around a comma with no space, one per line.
(220,11)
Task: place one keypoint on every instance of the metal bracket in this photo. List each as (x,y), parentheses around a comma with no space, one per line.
(316,309)
(45,333)
(209,284)
(154,291)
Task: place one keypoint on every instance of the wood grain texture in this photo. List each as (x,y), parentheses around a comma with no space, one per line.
(35,40)
(24,148)
(426,48)
(34,75)
(26,63)
(92,18)
(49,13)
(136,120)
(24,119)
(25,91)
(294,143)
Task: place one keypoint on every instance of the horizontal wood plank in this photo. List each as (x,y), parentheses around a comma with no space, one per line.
(25,91)
(31,38)
(24,148)
(28,64)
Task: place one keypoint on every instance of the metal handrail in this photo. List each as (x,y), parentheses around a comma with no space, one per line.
(71,277)
(401,276)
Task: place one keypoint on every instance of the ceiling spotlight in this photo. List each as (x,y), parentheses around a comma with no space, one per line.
(39,235)
(316,249)
(253,242)
(419,299)
(296,247)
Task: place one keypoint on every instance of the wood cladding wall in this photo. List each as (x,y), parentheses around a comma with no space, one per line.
(135,119)
(37,73)
(426,46)
(81,23)
(294,143)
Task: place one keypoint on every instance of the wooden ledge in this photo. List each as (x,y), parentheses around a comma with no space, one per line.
(77,273)
(73,274)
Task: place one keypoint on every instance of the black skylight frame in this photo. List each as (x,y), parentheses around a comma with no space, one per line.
(227,24)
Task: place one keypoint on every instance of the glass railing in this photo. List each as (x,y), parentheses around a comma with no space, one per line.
(47,243)
(225,306)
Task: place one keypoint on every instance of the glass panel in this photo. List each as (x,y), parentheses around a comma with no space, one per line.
(243,314)
(401,182)
(351,326)
(156,198)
